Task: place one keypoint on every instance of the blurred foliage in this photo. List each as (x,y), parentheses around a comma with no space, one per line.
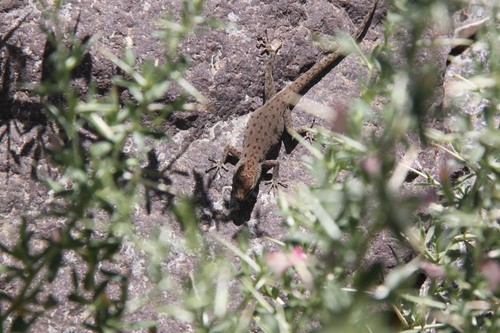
(100,149)
(316,283)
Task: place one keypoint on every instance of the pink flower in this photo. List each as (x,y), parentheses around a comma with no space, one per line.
(431,270)
(371,165)
(279,262)
(491,271)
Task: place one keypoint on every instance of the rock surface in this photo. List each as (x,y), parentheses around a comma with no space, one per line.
(227,69)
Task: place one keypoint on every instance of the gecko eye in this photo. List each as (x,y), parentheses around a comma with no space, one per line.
(244,182)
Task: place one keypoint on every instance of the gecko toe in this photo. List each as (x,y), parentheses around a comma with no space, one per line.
(217,166)
(274,185)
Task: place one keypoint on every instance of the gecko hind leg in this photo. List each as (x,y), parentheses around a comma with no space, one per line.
(305,131)
(270,48)
(290,140)
(302,130)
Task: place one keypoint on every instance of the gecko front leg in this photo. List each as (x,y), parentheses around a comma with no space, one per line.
(220,164)
(274,182)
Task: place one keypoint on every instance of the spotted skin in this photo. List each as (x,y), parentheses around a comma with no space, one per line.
(265,126)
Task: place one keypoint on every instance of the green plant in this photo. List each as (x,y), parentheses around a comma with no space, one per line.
(316,283)
(97,185)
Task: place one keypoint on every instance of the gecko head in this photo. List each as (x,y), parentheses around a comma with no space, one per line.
(245,181)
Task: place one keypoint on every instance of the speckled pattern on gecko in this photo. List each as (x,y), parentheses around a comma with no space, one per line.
(265,126)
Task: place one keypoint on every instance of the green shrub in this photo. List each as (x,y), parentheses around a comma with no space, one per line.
(315,283)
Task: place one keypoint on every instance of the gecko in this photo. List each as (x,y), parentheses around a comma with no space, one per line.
(265,126)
